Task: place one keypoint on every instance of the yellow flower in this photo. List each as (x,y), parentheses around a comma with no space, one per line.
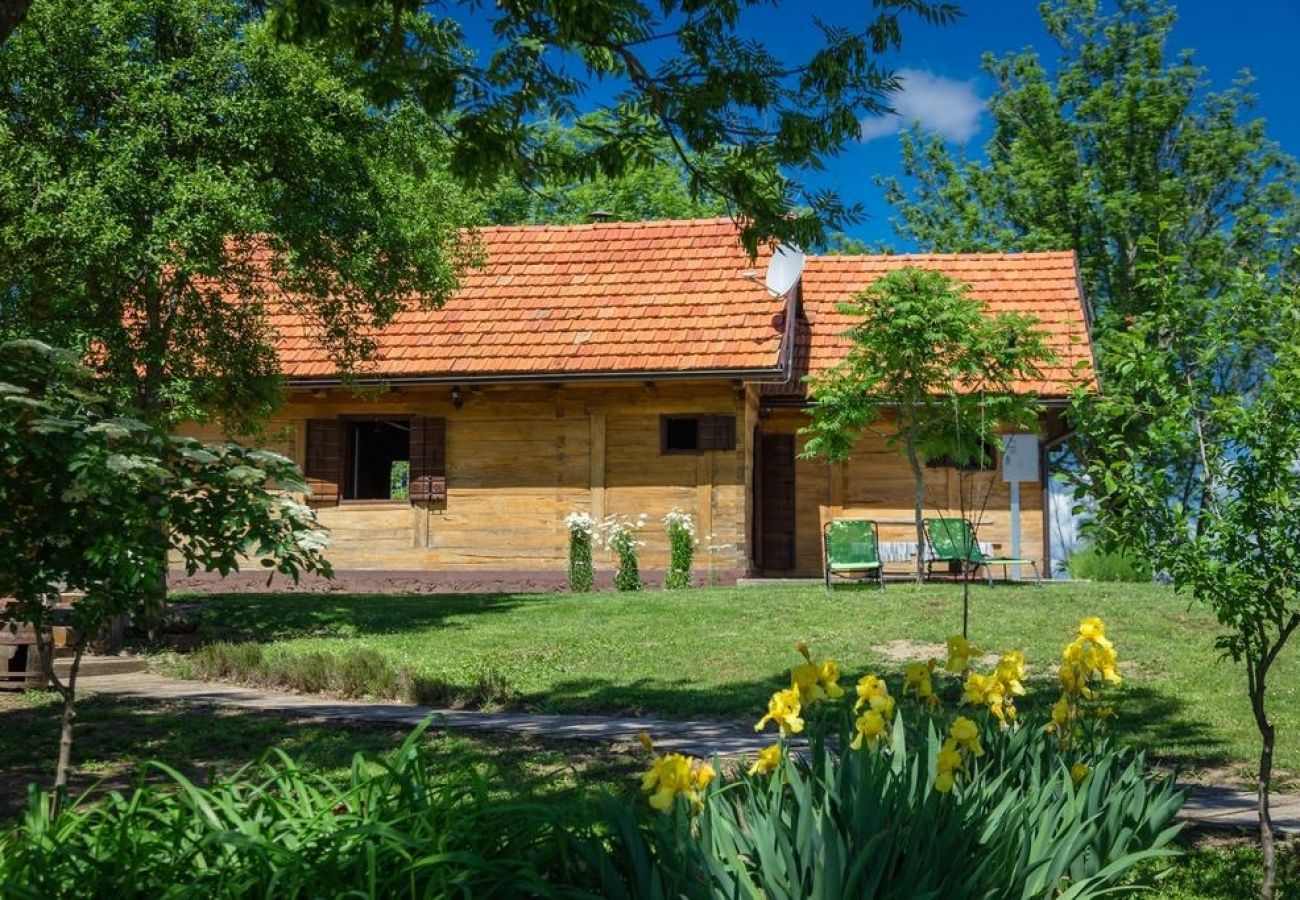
(870,726)
(643,738)
(1011,672)
(669,776)
(1060,713)
(943,782)
(768,760)
(816,681)
(873,692)
(704,774)
(806,680)
(967,735)
(783,709)
(917,680)
(960,652)
(949,759)
(1094,630)
(1078,772)
(830,679)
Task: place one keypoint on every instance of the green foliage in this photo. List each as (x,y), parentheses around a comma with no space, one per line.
(399,480)
(928,359)
(1227,528)
(1094,564)
(656,188)
(357,672)
(172,173)
(619,534)
(681,550)
(748,125)
(95,503)
(394,827)
(853,823)
(582,573)
(1113,147)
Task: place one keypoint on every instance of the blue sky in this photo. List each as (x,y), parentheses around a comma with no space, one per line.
(947,86)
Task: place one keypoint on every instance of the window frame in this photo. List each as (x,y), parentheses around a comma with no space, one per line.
(345,457)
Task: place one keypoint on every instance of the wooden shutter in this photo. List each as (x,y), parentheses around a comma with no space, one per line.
(428,459)
(324,460)
(717,432)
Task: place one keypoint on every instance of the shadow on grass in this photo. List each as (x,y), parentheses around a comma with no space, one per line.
(114,736)
(276,617)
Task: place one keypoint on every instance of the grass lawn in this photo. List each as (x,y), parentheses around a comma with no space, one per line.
(720,652)
(113,736)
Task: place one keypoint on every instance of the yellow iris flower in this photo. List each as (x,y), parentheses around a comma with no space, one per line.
(674,775)
(960,653)
(967,735)
(874,693)
(815,681)
(783,708)
(1078,772)
(917,680)
(768,760)
(869,727)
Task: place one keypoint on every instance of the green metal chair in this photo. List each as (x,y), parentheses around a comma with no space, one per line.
(852,547)
(953,541)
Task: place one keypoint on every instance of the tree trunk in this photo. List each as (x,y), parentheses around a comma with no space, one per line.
(918,474)
(68,692)
(1267,734)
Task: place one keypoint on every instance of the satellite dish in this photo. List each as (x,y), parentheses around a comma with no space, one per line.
(784,269)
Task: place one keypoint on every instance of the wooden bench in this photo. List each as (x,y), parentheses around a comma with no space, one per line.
(20,664)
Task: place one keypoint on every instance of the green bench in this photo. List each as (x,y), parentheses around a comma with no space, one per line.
(953,541)
(851,549)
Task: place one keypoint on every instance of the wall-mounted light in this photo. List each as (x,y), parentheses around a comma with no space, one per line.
(457,398)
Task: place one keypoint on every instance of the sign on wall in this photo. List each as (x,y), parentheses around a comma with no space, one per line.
(1019,457)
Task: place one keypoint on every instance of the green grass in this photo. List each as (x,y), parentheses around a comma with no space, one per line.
(1213,867)
(719,652)
(113,736)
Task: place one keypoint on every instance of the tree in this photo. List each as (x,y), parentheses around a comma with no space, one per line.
(77,484)
(1114,149)
(1238,549)
(745,122)
(172,173)
(658,188)
(933,364)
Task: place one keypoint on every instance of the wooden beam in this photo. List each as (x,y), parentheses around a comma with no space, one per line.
(597,479)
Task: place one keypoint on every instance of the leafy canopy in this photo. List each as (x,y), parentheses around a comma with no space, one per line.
(172,173)
(94,502)
(927,355)
(747,123)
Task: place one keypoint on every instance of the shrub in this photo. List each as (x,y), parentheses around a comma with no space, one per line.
(274,829)
(581,574)
(914,799)
(681,549)
(1091,564)
(620,536)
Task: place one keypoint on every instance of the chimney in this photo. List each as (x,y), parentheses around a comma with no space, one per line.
(599,215)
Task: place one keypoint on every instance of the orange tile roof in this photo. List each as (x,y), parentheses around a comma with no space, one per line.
(1042,285)
(672,297)
(599,299)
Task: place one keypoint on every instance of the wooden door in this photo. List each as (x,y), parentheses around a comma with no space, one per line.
(775,502)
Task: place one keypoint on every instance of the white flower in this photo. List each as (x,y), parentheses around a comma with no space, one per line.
(580,522)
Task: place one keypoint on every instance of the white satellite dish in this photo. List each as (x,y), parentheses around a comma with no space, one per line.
(784,269)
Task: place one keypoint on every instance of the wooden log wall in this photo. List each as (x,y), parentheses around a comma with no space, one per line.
(521,458)
(876,483)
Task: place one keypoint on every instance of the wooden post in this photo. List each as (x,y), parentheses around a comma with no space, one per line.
(597,481)
(704,494)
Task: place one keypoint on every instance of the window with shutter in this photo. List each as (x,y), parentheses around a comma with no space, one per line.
(693,433)
(428,459)
(323,464)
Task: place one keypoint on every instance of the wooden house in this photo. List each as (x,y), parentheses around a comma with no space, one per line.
(626,368)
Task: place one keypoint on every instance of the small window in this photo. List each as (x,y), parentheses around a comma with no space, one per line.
(691,434)
(681,434)
(378,459)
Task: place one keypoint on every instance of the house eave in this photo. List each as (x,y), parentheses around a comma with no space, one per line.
(752,376)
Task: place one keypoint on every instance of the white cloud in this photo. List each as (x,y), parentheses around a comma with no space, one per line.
(946,106)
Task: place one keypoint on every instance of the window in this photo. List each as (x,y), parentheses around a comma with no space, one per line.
(398,458)
(681,434)
(378,459)
(693,433)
